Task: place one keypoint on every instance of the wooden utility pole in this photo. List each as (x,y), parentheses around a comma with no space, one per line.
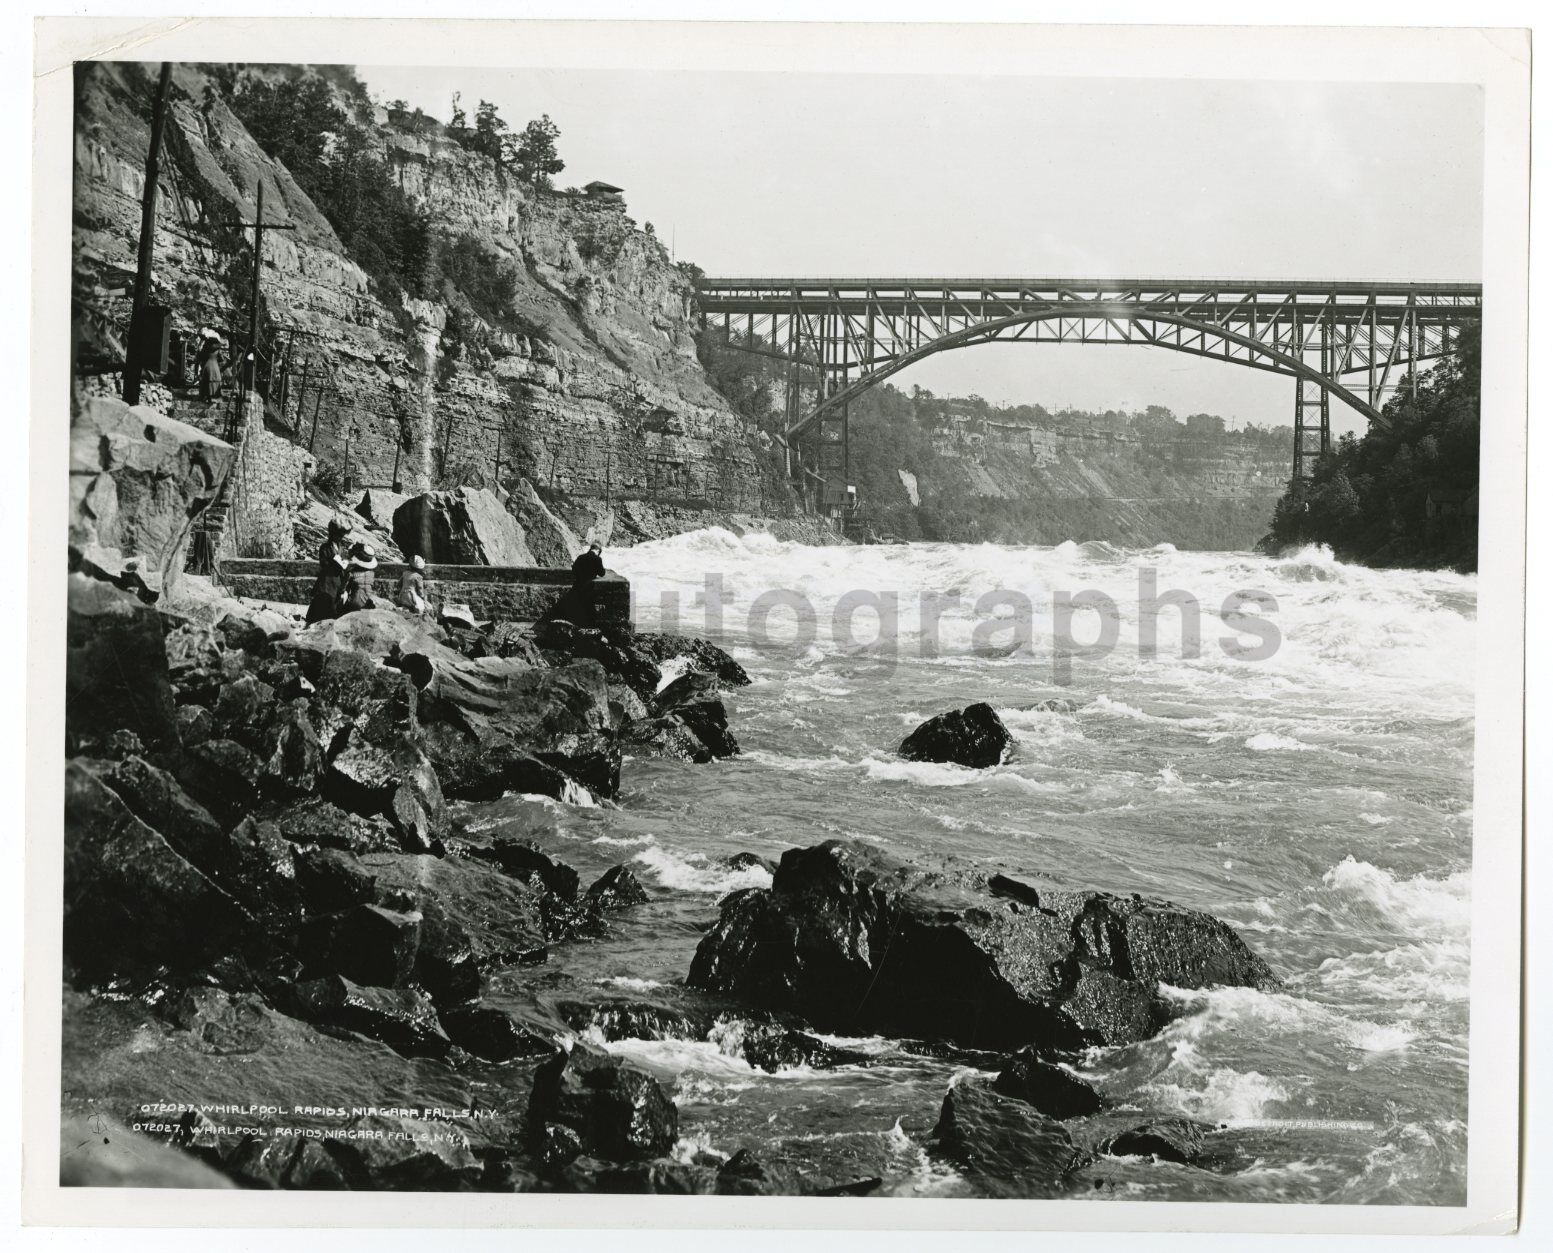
(259,226)
(132,355)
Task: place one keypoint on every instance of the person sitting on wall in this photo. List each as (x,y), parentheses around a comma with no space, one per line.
(329,587)
(576,603)
(412,587)
(358,579)
(207,365)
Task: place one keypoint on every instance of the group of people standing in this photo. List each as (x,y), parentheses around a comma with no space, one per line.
(346,576)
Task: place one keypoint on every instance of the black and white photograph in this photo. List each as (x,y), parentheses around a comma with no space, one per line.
(672,627)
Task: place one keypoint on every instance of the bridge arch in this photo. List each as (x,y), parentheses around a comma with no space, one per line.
(1268,356)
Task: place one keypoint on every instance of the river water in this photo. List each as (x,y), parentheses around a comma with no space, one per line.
(1318,799)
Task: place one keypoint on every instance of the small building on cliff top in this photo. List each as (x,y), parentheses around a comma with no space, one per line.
(607,193)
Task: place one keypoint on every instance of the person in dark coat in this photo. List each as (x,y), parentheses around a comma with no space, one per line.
(576,603)
(329,587)
(207,365)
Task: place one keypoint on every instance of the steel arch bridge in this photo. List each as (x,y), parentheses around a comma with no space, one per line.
(839,336)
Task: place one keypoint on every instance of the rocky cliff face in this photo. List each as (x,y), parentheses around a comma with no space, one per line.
(585,381)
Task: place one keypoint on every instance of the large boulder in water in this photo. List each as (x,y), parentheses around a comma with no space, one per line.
(859,942)
(138,479)
(1008,1148)
(1054,1091)
(704,654)
(974,736)
(497,724)
(597,1104)
(466,527)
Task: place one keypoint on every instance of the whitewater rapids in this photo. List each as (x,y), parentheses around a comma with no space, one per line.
(1319,799)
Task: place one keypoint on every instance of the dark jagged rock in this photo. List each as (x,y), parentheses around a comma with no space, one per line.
(409,1156)
(1049,1088)
(625,706)
(692,700)
(974,736)
(243,712)
(224,775)
(555,1146)
(130,897)
(617,1112)
(258,867)
(115,668)
(566,913)
(771,1047)
(561,642)
(295,757)
(323,823)
(486,721)
(156,798)
(744,1174)
(493,1033)
(394,779)
(500,916)
(1180,1140)
(744,860)
(372,945)
(856,942)
(330,881)
(708,721)
(1008,1147)
(523,859)
(616,888)
(447,964)
(665,737)
(402,1018)
(691,688)
(706,655)
(354,692)
(194,724)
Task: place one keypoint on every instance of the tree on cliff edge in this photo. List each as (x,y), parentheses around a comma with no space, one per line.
(1406,493)
(535,154)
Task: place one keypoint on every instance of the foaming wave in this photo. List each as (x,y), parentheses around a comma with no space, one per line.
(1419,904)
(695,872)
(1267,742)
(926,773)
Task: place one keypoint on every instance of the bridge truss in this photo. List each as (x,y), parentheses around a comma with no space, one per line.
(1355,341)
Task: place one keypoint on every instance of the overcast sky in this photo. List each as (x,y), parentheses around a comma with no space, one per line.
(891,175)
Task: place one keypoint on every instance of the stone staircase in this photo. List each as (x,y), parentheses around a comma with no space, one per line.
(209,530)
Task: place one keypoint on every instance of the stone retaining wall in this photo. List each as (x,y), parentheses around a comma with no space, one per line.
(509,593)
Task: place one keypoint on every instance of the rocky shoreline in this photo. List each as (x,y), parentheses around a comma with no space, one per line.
(265,857)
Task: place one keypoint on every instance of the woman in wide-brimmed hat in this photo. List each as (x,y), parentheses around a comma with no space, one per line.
(358,579)
(329,586)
